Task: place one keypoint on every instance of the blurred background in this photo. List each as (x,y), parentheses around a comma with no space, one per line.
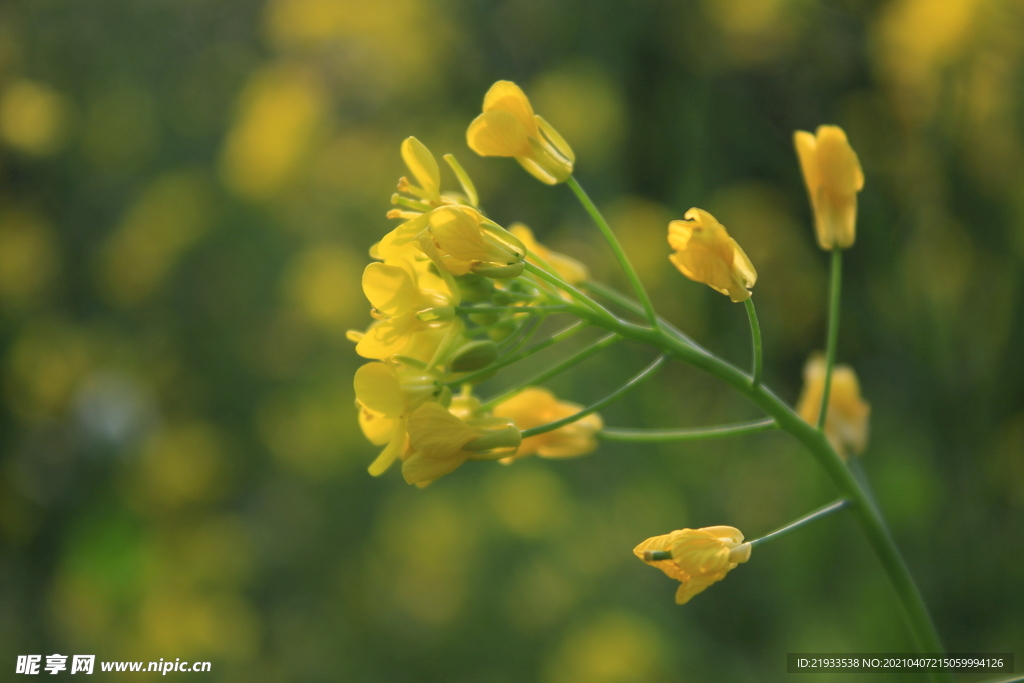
(187,194)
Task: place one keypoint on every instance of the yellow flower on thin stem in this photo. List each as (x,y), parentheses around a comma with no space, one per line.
(566,267)
(536,406)
(700,557)
(846,423)
(461,240)
(440,442)
(706,253)
(833,177)
(386,394)
(413,308)
(509,128)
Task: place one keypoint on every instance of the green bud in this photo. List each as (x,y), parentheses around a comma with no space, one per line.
(444,397)
(436,313)
(502,332)
(484,319)
(473,356)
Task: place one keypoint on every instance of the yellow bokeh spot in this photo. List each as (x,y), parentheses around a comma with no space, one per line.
(170,215)
(28,258)
(584,104)
(44,366)
(321,282)
(279,114)
(528,501)
(32,117)
(192,624)
(755,31)
(616,648)
(304,432)
(181,464)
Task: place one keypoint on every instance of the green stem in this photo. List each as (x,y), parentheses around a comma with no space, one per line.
(699,434)
(820,513)
(613,242)
(922,630)
(569,362)
(644,375)
(505,309)
(833,330)
(636,307)
(484,373)
(575,293)
(755,336)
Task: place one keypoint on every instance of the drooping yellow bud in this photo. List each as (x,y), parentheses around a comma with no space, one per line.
(466,242)
(706,253)
(700,557)
(568,268)
(440,442)
(833,177)
(846,423)
(536,406)
(509,128)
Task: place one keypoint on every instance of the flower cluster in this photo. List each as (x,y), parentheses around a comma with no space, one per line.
(449,296)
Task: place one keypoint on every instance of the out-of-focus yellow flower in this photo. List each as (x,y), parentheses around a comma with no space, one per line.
(536,406)
(833,176)
(568,268)
(509,128)
(700,557)
(846,423)
(386,394)
(705,253)
(440,442)
(461,240)
(412,307)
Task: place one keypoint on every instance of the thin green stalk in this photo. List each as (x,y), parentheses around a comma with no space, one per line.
(484,373)
(636,307)
(569,362)
(613,242)
(522,335)
(922,630)
(820,513)
(563,285)
(644,375)
(833,330)
(699,434)
(755,336)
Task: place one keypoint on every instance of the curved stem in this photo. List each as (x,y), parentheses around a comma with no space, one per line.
(922,630)
(484,373)
(755,336)
(821,512)
(833,330)
(636,307)
(572,291)
(699,434)
(613,242)
(572,360)
(644,375)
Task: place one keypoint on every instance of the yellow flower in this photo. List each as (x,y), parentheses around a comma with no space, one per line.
(705,253)
(536,406)
(413,309)
(461,240)
(700,557)
(386,394)
(846,423)
(568,268)
(509,128)
(440,442)
(833,176)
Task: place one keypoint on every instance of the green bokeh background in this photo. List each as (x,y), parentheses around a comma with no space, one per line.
(187,193)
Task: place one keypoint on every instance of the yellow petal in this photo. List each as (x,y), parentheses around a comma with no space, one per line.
(389,287)
(394,448)
(377,429)
(806,146)
(497,134)
(377,388)
(838,165)
(436,437)
(422,165)
(506,96)
(456,230)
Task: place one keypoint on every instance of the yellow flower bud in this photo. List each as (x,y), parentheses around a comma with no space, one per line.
(536,406)
(846,424)
(464,241)
(568,268)
(509,128)
(700,557)
(705,253)
(833,176)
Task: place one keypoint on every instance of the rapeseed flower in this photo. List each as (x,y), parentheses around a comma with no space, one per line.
(700,557)
(706,253)
(846,423)
(461,240)
(536,406)
(567,268)
(509,128)
(833,177)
